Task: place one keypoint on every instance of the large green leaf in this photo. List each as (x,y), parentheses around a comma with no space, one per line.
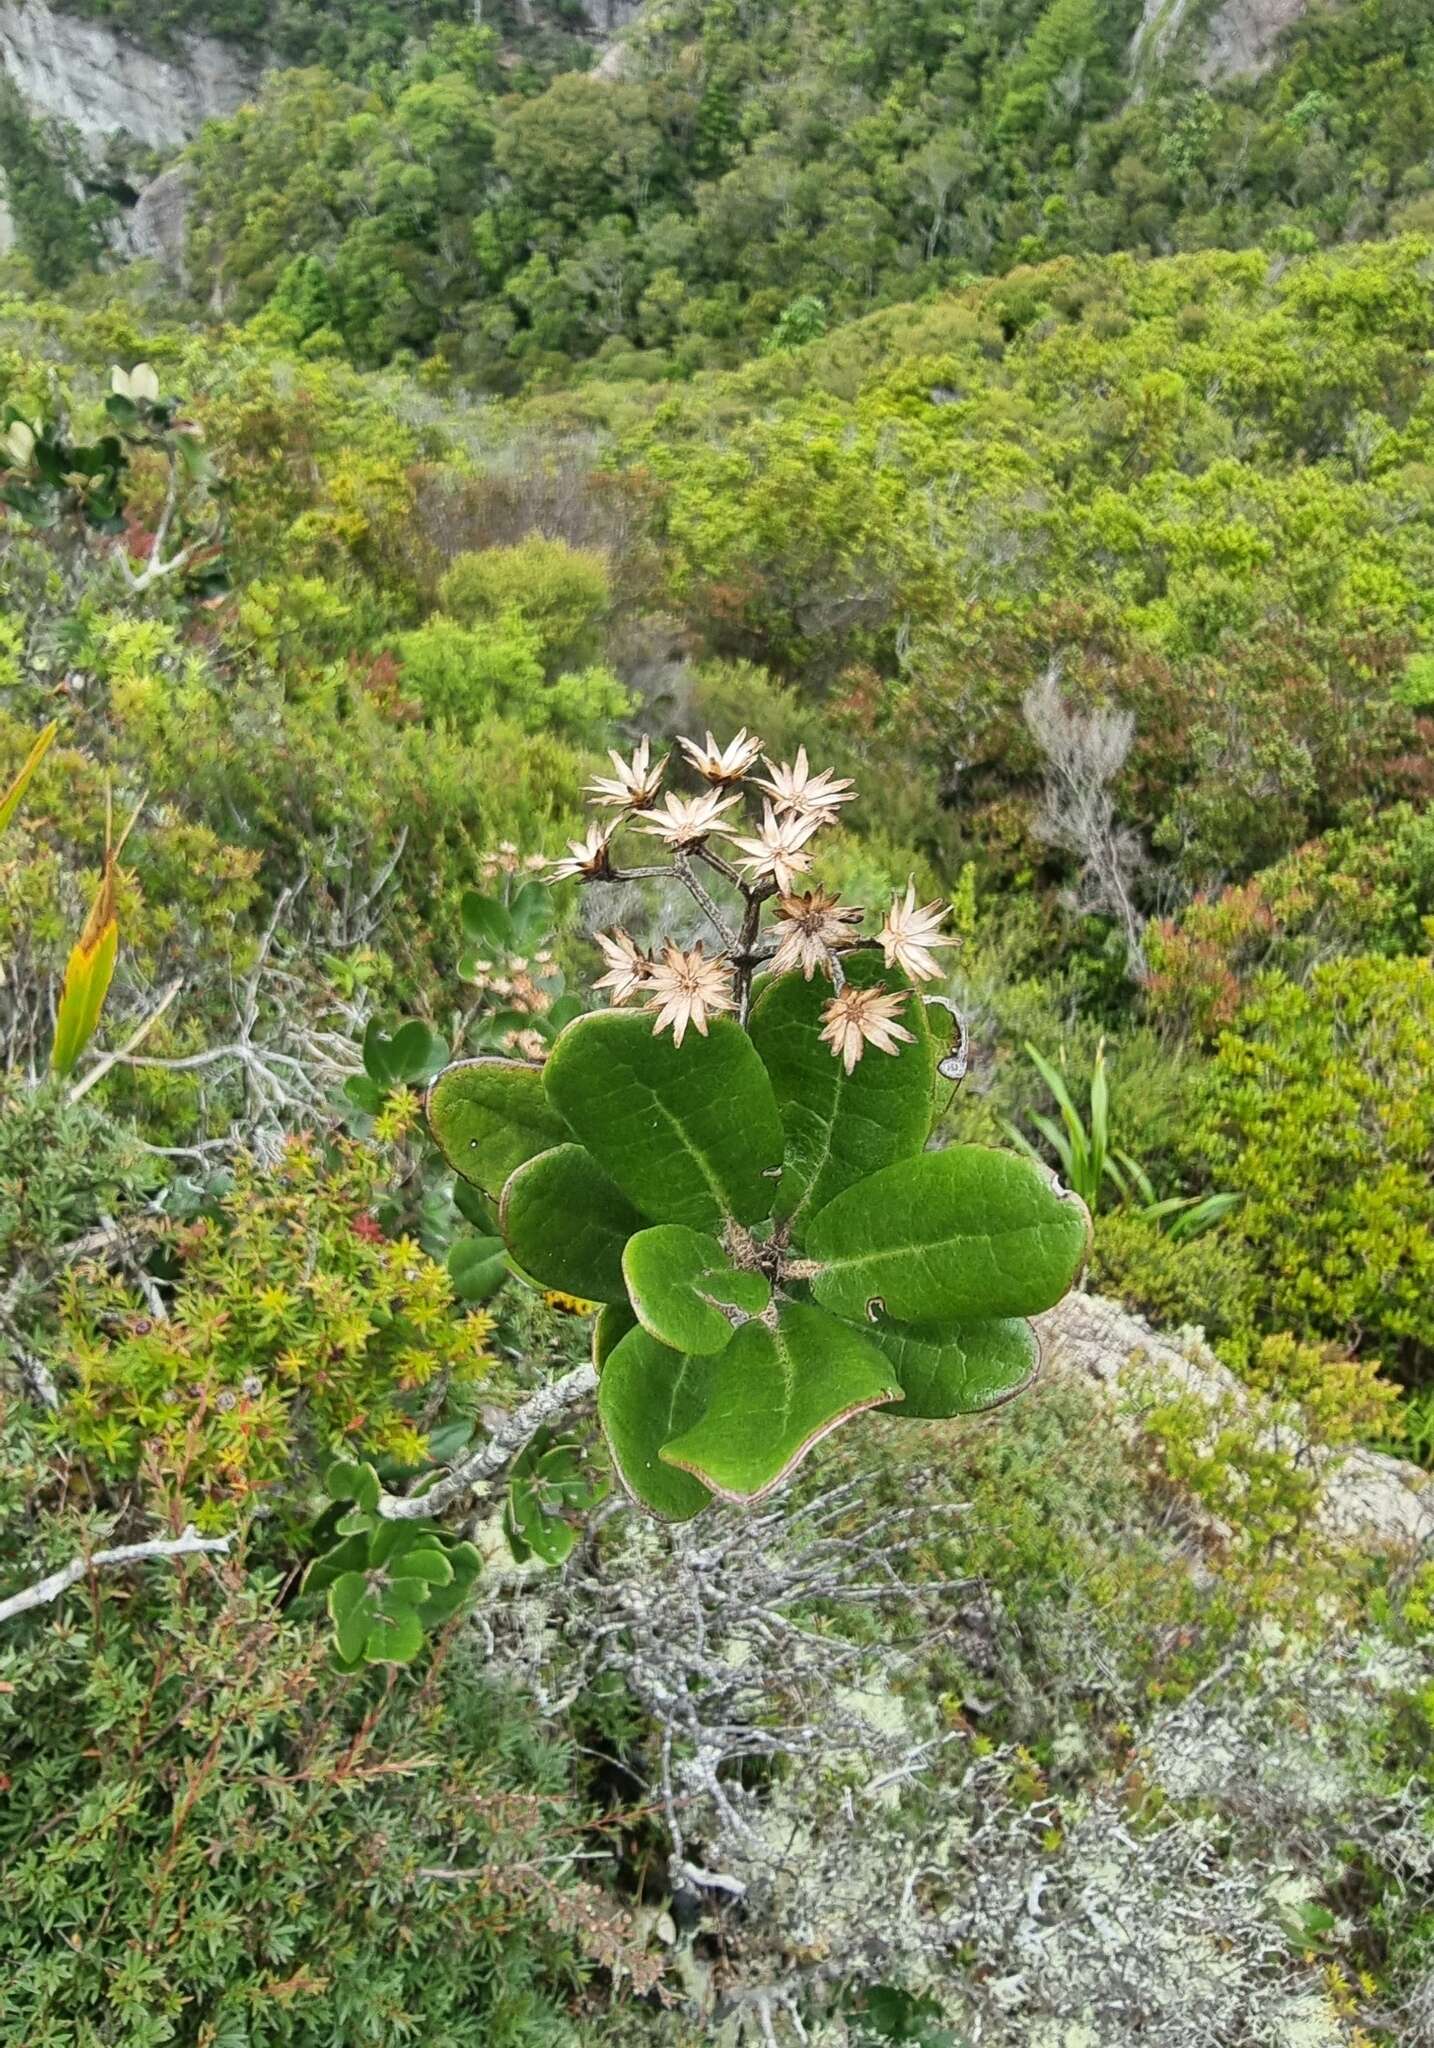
(840,1127)
(477,1267)
(957,1368)
(489,1115)
(684,1289)
(566,1224)
(647,1395)
(610,1325)
(775,1393)
(690,1133)
(966,1233)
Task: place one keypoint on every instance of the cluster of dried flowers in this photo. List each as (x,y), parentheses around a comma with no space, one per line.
(809,930)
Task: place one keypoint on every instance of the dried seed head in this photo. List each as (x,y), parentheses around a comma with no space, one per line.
(776,854)
(860,1017)
(810,928)
(633,784)
(723,764)
(687,988)
(686,820)
(587,858)
(628,967)
(794,788)
(908,936)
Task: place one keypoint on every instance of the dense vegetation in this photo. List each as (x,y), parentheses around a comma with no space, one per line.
(752,178)
(1056,462)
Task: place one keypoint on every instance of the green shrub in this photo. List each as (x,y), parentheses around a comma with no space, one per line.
(295,1327)
(560,593)
(1318,1109)
(209,1837)
(1211,1281)
(63,1167)
(1367,887)
(463,675)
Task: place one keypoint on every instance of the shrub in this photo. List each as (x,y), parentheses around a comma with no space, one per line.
(1367,887)
(208,1837)
(294,1326)
(1211,1281)
(751,1200)
(1263,1469)
(560,593)
(464,675)
(1318,1109)
(62,1168)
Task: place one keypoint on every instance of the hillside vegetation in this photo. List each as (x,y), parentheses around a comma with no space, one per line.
(1053,459)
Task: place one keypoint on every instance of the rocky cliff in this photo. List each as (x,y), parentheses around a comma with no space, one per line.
(101,84)
(1238,40)
(83,73)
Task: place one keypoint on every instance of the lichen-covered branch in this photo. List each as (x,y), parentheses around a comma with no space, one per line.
(572,1391)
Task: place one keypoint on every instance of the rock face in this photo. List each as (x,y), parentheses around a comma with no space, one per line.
(158,224)
(83,73)
(1238,41)
(605,18)
(1367,1498)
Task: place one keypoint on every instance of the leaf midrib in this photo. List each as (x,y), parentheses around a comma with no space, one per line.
(716,1187)
(927,1247)
(838,1083)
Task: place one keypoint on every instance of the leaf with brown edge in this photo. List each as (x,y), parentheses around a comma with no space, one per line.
(780,1386)
(948,1369)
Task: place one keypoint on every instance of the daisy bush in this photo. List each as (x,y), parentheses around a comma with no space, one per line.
(730,1160)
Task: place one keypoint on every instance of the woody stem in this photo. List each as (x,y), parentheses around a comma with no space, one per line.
(745,955)
(682,868)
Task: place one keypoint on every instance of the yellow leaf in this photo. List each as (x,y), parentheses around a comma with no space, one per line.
(10,801)
(87,983)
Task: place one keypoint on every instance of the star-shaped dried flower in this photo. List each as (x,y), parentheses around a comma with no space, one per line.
(909,934)
(775,854)
(860,1017)
(687,988)
(793,787)
(628,966)
(632,784)
(810,928)
(586,858)
(723,764)
(684,820)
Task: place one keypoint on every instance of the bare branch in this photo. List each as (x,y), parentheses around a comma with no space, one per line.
(187,1544)
(136,1038)
(1083,754)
